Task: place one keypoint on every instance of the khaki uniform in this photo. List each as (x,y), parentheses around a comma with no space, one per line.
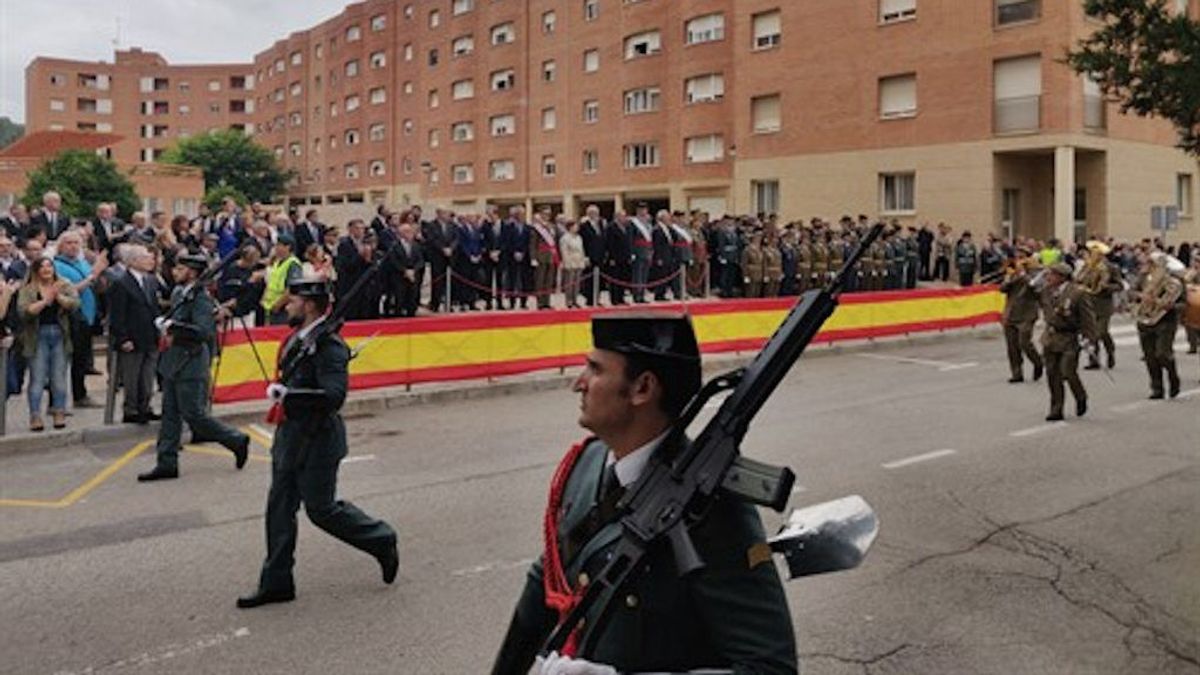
(773,268)
(1158,339)
(1102,282)
(804,265)
(1020,315)
(820,263)
(1068,315)
(753,270)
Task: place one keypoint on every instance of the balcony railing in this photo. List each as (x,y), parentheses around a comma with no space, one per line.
(1017,114)
(1095,113)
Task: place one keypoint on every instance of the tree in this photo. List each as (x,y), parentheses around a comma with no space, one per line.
(10,131)
(1147,57)
(83,179)
(231,160)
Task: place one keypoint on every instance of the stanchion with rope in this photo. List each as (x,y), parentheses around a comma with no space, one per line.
(110,394)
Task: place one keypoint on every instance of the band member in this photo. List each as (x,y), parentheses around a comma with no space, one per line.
(1159,293)
(191,336)
(1068,314)
(1191,280)
(309,444)
(1020,315)
(731,615)
(1101,279)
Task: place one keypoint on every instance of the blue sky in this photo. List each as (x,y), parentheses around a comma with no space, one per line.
(183,31)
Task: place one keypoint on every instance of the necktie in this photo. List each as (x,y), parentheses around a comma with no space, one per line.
(611,490)
(148,289)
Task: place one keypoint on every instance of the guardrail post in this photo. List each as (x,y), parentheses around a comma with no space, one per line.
(110,395)
(4,381)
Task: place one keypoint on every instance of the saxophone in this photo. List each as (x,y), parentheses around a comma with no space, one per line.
(1159,294)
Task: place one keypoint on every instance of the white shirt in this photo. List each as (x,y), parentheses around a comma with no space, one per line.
(303,332)
(631,466)
(138,276)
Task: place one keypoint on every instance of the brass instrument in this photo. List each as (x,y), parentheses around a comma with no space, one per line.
(1158,296)
(1191,315)
(1093,276)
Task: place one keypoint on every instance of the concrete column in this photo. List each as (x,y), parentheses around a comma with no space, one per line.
(1064,194)
(569,206)
(618,202)
(529,208)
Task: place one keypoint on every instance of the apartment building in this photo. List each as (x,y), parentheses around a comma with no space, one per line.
(920,110)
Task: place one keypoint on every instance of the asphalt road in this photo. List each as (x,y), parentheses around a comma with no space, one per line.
(1007,545)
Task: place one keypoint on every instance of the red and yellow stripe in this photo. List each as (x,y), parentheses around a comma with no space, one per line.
(468,346)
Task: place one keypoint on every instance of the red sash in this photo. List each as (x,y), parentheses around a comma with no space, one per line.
(560,597)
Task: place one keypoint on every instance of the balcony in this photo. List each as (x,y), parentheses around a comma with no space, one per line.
(1095,113)
(1021,114)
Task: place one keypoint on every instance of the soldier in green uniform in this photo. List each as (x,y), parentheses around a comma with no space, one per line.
(878,271)
(1068,314)
(729,616)
(772,266)
(966,259)
(1020,315)
(820,256)
(191,333)
(804,260)
(896,255)
(836,246)
(309,444)
(753,269)
(1101,279)
(1159,292)
(912,259)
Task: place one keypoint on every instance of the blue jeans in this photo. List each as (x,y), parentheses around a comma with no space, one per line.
(48,362)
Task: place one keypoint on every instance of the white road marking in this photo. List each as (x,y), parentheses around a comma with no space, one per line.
(491,567)
(1188,393)
(942,366)
(916,459)
(358,458)
(1021,433)
(1129,329)
(1133,341)
(164,653)
(1130,407)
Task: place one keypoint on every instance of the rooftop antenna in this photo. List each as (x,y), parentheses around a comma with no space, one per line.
(116,41)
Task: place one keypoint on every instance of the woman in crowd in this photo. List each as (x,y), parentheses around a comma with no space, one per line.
(318,263)
(45,304)
(573,261)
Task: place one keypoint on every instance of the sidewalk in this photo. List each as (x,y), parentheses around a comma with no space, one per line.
(86,426)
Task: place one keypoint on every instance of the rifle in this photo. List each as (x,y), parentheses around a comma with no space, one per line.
(674,494)
(205,277)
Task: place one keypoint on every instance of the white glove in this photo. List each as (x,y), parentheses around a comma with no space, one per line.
(565,665)
(162,323)
(276,392)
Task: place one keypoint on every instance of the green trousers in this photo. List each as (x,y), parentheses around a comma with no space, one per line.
(186,401)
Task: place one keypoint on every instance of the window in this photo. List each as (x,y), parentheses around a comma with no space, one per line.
(408,87)
(408,127)
(591,10)
(352,68)
(710,148)
(377,167)
(643,44)
(1017,88)
(408,52)
(378,22)
(352,103)
(435,138)
(640,155)
(502,169)
(503,79)
(319,51)
(57,105)
(765,113)
(898,96)
(549,21)
(408,11)
(462,174)
(333,109)
(503,34)
(765,196)
(378,95)
(433,57)
(462,6)
(435,19)
(591,161)
(591,60)
(462,132)
(707,28)
(296,89)
(58,80)
(434,177)
(296,58)
(767,29)
(185,109)
(463,89)
(642,100)
(897,193)
(351,171)
(353,34)
(591,111)
(105,128)
(891,11)
(549,70)
(503,125)
(1183,193)
(704,88)
(463,46)
(549,119)
(376,132)
(378,60)
(1017,11)
(294,149)
(297,119)
(549,166)
(434,99)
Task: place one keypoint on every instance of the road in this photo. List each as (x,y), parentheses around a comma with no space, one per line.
(1007,545)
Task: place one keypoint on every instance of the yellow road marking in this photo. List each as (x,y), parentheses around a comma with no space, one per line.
(31,503)
(94,482)
(200,449)
(259,436)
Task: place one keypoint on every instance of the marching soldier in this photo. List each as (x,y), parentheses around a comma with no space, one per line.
(1068,314)
(309,444)
(1101,279)
(731,615)
(753,266)
(191,336)
(1020,315)
(1159,292)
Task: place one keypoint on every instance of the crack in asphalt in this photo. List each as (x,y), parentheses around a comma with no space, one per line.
(865,664)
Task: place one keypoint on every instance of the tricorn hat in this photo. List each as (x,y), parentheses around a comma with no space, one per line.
(657,336)
(192,260)
(309,287)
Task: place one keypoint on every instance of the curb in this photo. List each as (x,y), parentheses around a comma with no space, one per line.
(377,401)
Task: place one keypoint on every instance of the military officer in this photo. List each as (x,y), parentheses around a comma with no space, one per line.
(772,266)
(309,443)
(1020,315)
(1068,314)
(1159,292)
(730,616)
(191,337)
(753,266)
(1101,279)
(966,259)
(804,260)
(820,259)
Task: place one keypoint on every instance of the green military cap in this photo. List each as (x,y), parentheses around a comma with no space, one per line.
(309,287)
(193,260)
(287,240)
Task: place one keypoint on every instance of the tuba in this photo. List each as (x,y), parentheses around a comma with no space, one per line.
(1158,296)
(1092,277)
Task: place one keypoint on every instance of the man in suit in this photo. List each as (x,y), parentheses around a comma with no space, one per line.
(355,253)
(663,261)
(543,254)
(379,223)
(591,229)
(729,616)
(441,238)
(515,236)
(308,232)
(133,307)
(618,257)
(403,271)
(108,229)
(492,275)
(643,251)
(51,218)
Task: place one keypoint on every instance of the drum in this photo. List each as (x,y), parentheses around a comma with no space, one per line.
(1191,314)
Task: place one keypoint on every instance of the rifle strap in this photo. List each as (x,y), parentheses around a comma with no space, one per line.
(560,597)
